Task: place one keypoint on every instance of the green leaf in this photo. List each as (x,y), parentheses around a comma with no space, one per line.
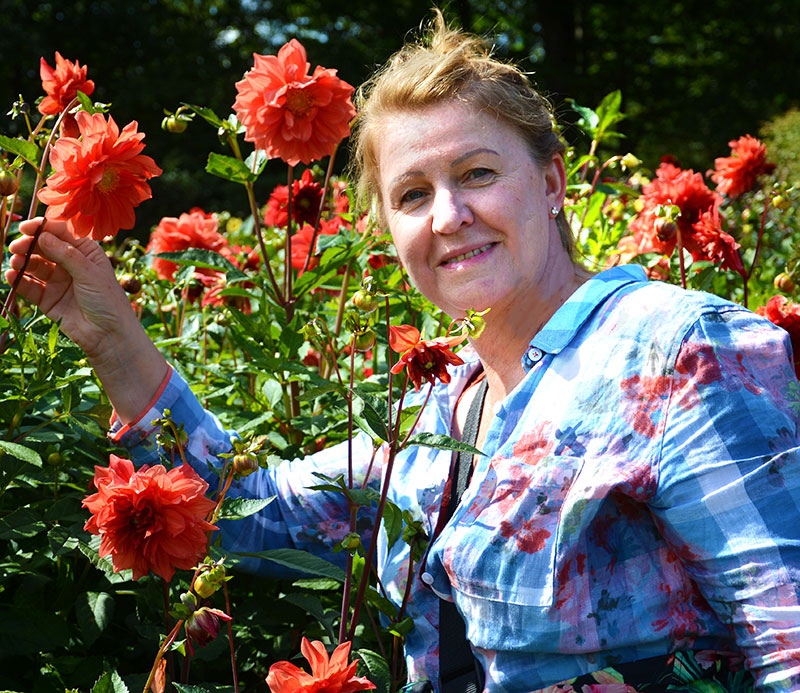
(21,523)
(313,606)
(273,391)
(239,508)
(61,540)
(608,112)
(94,611)
(377,669)
(301,561)
(439,441)
(184,688)
(392,523)
(27,150)
(229,168)
(259,158)
(21,453)
(321,584)
(206,114)
(595,208)
(110,682)
(198,257)
(86,103)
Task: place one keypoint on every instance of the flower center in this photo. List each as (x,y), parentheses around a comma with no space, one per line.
(109,180)
(298,102)
(142,519)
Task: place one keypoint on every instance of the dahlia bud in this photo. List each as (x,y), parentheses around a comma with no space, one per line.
(351,542)
(174,124)
(245,464)
(780,202)
(204,624)
(365,340)
(8,183)
(204,585)
(131,284)
(665,229)
(785,283)
(365,301)
(630,161)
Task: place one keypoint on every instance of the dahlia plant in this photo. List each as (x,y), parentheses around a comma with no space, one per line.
(296,325)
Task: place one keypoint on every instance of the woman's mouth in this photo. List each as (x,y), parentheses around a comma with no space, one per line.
(468,254)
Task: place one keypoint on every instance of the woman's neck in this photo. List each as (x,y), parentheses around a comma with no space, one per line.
(509,330)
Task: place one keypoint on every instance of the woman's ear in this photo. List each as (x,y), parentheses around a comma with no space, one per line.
(555,177)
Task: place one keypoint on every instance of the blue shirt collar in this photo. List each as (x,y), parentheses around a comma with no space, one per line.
(560,329)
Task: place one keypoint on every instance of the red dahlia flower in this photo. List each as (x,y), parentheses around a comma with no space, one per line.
(99,179)
(426,358)
(306,197)
(301,241)
(289,113)
(62,84)
(672,186)
(150,519)
(710,242)
(785,314)
(327,676)
(736,174)
(193,230)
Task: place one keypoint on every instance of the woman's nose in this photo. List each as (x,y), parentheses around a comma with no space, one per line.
(449,211)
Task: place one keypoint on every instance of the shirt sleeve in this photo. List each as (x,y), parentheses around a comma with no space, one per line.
(728,493)
(298,517)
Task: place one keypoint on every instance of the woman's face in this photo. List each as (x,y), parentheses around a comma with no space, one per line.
(469,208)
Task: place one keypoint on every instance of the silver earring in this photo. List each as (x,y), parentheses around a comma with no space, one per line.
(554,211)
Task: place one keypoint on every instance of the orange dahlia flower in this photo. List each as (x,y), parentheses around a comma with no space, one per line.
(737,174)
(150,519)
(426,358)
(62,84)
(99,178)
(195,229)
(326,675)
(290,114)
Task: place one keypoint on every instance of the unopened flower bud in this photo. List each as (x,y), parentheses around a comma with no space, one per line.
(365,340)
(131,284)
(204,624)
(189,601)
(351,542)
(365,301)
(780,202)
(245,464)
(785,283)
(174,124)
(665,229)
(630,161)
(204,585)
(8,183)
(55,459)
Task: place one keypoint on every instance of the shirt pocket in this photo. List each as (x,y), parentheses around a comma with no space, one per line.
(503,540)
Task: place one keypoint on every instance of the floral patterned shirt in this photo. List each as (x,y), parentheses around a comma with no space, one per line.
(639,494)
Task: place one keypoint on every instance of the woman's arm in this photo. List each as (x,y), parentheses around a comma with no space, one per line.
(72,281)
(728,497)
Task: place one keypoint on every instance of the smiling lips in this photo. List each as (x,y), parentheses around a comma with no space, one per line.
(468,254)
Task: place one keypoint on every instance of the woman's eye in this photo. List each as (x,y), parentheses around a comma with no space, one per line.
(411,196)
(478,173)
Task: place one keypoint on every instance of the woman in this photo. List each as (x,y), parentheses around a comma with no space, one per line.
(639,493)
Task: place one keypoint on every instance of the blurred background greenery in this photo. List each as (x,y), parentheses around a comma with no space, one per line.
(693,73)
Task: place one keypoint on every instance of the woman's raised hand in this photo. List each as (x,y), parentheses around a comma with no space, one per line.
(72,280)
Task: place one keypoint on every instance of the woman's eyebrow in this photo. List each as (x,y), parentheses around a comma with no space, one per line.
(480,150)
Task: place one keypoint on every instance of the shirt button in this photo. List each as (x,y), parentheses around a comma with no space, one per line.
(534,354)
(427,578)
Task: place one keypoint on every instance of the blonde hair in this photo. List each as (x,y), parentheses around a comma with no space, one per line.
(447,64)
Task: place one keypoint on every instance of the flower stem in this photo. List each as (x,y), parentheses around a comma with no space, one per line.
(681,261)
(230,639)
(160,654)
(328,174)
(758,249)
(287,260)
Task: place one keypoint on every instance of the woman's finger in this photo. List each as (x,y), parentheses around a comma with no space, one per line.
(37,266)
(29,288)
